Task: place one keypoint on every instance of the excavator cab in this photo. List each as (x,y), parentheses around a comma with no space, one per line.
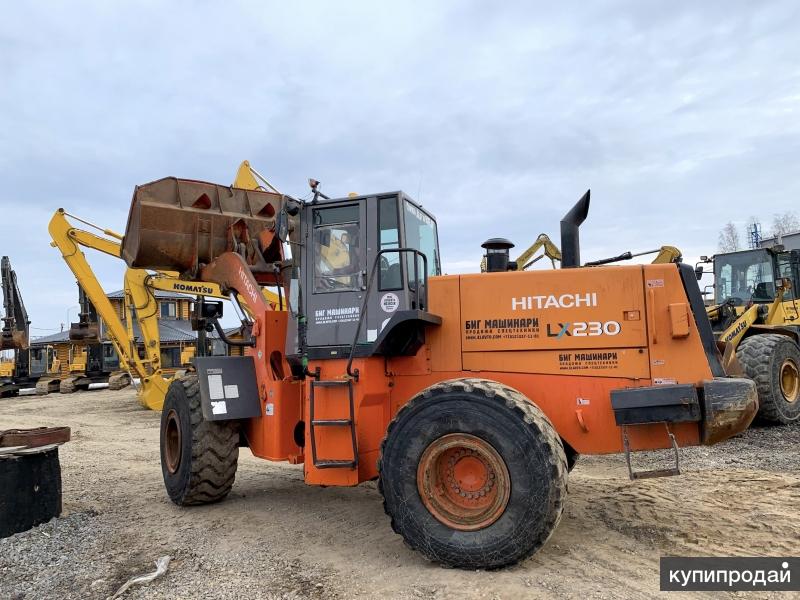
(42,360)
(364,274)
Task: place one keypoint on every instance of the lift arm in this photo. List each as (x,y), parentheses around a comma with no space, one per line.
(752,315)
(665,254)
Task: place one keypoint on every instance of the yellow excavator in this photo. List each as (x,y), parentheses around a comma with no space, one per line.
(139,287)
(756,321)
(6,368)
(31,364)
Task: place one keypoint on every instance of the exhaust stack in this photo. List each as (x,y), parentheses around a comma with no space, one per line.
(570,237)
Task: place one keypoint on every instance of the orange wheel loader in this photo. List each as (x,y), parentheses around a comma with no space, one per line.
(468,397)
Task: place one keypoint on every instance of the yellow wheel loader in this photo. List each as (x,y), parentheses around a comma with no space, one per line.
(756,321)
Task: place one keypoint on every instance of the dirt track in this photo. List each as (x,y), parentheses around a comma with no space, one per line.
(276,537)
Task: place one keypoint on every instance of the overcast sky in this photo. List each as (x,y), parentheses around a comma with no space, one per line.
(679,116)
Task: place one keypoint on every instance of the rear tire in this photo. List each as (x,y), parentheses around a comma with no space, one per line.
(431,454)
(773,362)
(198,457)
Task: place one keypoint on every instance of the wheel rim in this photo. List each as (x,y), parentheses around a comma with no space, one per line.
(463,482)
(172,441)
(790,381)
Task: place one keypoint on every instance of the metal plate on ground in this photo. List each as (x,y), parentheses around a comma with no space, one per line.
(228,387)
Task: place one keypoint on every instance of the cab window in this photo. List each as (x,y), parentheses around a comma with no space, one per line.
(744,276)
(337,255)
(420,234)
(786,270)
(391,275)
(110,357)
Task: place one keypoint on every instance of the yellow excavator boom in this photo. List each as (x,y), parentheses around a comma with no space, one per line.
(668,254)
(526,259)
(551,251)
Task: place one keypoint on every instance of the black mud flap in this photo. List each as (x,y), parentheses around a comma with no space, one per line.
(228,388)
(656,404)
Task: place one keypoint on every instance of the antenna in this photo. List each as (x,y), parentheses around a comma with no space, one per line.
(754,235)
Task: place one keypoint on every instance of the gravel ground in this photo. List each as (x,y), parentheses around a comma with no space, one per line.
(275,537)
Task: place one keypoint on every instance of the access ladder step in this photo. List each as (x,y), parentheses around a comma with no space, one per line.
(670,472)
(333,422)
(335,464)
(349,422)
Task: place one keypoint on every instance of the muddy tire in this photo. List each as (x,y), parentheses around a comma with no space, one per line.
(42,388)
(773,362)
(473,475)
(198,457)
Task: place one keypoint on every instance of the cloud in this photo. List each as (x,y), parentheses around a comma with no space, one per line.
(679,116)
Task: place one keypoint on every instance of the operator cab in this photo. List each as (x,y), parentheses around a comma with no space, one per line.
(366,262)
(41,360)
(750,275)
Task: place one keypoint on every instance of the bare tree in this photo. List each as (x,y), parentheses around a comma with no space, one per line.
(728,238)
(784,223)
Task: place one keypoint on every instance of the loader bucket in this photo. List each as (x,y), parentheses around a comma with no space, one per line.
(180,225)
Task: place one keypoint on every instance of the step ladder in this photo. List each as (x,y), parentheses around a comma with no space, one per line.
(324,463)
(668,472)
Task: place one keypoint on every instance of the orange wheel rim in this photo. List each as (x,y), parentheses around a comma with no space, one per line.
(172,441)
(463,481)
(790,381)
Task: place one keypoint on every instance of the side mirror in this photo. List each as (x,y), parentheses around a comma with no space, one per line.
(294,296)
(282,225)
(698,272)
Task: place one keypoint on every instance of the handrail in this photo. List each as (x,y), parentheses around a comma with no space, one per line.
(420,304)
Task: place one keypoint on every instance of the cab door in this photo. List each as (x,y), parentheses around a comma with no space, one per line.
(335,275)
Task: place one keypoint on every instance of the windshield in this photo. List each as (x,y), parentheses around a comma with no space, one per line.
(38,360)
(421,234)
(743,276)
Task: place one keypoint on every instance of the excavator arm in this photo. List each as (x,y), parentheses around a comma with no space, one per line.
(551,251)
(15,334)
(526,259)
(69,241)
(668,254)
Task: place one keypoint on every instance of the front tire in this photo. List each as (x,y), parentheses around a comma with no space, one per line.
(473,474)
(773,362)
(198,457)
